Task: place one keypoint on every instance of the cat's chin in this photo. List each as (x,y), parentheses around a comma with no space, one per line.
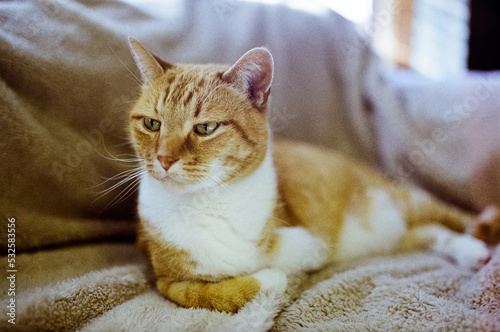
(171,182)
(174,184)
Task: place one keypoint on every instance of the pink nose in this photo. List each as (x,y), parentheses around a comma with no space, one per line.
(166,161)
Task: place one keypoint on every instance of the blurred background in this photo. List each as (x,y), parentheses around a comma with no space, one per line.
(414,33)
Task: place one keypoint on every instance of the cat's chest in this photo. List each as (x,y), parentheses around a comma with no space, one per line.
(220,228)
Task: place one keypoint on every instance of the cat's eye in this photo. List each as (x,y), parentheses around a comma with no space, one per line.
(152,124)
(206,128)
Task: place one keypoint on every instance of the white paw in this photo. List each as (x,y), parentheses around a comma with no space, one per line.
(271,280)
(298,250)
(471,252)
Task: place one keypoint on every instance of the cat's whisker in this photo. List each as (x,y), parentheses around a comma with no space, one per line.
(127,160)
(124,160)
(281,221)
(125,143)
(126,102)
(126,176)
(114,187)
(122,175)
(218,182)
(133,158)
(124,194)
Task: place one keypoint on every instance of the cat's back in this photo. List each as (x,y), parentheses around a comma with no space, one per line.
(308,164)
(296,156)
(317,184)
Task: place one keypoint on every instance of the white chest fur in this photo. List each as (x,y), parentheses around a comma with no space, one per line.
(219,227)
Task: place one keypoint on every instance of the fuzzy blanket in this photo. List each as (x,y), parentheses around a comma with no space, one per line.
(110,291)
(66,83)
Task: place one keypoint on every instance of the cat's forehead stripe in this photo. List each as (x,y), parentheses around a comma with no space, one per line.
(181,89)
(201,82)
(176,90)
(197,109)
(189,87)
(187,98)
(166,92)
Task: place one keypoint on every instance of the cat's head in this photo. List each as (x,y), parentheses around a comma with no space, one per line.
(201,125)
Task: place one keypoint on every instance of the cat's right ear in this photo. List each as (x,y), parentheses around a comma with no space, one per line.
(150,65)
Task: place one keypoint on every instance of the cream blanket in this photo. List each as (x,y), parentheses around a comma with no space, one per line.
(66,85)
(109,291)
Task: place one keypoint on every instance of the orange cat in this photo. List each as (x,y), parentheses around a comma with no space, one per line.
(225,212)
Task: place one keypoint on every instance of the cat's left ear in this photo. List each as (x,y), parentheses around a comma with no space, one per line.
(150,65)
(253,73)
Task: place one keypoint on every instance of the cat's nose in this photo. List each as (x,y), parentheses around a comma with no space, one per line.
(166,160)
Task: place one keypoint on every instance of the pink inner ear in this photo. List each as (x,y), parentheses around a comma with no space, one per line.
(150,65)
(165,65)
(253,72)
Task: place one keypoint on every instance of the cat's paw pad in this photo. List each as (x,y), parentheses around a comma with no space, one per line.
(271,280)
(473,253)
(487,225)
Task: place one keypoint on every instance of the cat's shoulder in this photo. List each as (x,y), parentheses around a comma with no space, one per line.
(301,163)
(294,152)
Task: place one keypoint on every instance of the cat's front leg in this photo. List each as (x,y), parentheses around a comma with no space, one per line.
(298,250)
(226,295)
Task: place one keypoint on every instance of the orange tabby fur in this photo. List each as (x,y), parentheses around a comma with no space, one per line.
(316,199)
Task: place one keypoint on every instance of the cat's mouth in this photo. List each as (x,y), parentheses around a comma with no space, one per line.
(177,177)
(174,178)
(161,175)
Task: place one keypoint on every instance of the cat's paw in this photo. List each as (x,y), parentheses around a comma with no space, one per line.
(487,225)
(471,252)
(298,250)
(271,280)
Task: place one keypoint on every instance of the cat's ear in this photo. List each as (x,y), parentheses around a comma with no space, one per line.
(150,65)
(253,73)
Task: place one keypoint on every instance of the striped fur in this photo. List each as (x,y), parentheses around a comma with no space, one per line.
(227,214)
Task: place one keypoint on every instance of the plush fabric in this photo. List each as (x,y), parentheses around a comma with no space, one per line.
(67,82)
(110,290)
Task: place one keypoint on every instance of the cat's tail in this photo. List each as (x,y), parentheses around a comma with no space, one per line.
(424,209)
(227,295)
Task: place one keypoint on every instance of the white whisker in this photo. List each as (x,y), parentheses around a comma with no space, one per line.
(133,158)
(125,143)
(129,179)
(124,194)
(136,174)
(121,175)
